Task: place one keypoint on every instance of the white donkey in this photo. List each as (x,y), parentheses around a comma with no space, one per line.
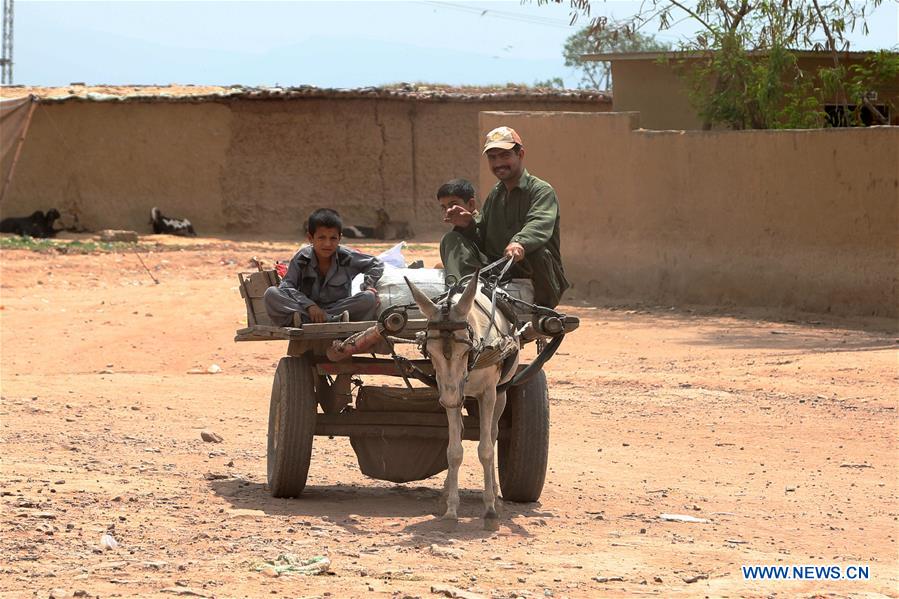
(470,355)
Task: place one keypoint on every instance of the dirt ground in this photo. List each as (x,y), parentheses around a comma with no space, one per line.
(778,429)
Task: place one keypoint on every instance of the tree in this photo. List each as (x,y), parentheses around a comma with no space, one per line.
(592,40)
(743,71)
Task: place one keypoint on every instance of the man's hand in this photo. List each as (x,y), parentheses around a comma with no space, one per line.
(516,250)
(458,216)
(316,314)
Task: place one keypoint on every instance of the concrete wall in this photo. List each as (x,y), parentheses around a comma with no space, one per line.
(654,90)
(250,166)
(798,219)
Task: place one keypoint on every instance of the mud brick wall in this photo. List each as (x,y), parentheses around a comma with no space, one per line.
(795,219)
(251,166)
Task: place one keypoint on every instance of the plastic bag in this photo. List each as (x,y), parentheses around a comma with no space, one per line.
(394,256)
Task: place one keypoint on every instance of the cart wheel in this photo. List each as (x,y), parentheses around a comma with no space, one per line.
(291,426)
(524,441)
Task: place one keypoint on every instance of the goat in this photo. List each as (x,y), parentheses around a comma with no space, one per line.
(358,232)
(391,229)
(170,226)
(36,225)
(384,229)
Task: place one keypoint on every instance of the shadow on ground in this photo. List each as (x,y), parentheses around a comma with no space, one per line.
(347,506)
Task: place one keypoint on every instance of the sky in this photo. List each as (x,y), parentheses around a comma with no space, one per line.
(327,44)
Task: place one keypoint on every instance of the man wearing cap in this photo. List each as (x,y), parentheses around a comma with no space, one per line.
(520,218)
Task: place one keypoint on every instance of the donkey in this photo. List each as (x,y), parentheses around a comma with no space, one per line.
(460,338)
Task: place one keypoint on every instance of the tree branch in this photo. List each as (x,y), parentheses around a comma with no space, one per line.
(692,14)
(728,13)
(878,116)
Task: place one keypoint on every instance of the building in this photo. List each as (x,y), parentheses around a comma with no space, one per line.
(653,84)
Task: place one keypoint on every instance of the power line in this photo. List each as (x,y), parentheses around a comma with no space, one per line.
(502,14)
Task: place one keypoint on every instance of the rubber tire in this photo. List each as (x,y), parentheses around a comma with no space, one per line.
(291,427)
(523,444)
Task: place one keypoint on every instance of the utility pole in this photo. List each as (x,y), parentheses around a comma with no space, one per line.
(6,60)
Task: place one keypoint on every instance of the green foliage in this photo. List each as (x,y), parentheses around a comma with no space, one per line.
(733,87)
(46,246)
(593,40)
(858,81)
(554,83)
(770,91)
(744,73)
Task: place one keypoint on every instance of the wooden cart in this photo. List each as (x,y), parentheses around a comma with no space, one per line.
(398,434)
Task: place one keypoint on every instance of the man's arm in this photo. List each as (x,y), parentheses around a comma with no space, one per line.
(540,221)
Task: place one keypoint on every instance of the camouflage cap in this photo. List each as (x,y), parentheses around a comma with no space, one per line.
(502,137)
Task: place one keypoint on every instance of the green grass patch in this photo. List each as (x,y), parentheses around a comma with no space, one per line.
(46,246)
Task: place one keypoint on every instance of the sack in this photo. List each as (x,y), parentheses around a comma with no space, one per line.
(393,291)
(399,459)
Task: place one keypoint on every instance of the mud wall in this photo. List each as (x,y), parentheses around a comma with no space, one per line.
(797,219)
(250,166)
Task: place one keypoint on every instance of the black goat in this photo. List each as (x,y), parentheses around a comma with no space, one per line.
(171,226)
(36,225)
(385,229)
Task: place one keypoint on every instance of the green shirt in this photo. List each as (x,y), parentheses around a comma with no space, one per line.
(529,215)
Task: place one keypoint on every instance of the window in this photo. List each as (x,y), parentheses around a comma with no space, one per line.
(844,116)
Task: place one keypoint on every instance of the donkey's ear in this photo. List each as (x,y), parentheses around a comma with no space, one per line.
(463,306)
(427,307)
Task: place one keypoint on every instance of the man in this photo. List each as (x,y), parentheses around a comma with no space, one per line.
(317,286)
(520,218)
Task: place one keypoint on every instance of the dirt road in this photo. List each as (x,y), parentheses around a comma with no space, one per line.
(779,430)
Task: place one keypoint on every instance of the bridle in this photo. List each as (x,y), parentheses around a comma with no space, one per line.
(445,328)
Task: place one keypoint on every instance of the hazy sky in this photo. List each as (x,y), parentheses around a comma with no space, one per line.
(328,44)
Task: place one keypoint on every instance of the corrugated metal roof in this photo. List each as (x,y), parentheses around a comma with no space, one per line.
(190,93)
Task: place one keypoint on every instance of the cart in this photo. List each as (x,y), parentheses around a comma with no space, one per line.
(399,434)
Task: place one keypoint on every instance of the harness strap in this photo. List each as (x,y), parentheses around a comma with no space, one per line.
(490,355)
(534,367)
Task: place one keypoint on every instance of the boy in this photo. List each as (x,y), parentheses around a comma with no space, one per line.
(316,287)
(456,196)
(456,192)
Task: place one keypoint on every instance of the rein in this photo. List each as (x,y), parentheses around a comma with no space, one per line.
(446,329)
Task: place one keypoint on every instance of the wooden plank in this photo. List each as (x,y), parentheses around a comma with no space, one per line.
(257,283)
(267,332)
(334,330)
(341,330)
(327,331)
(408,432)
(298,347)
(375,366)
(254,336)
(251,316)
(366,418)
(260,315)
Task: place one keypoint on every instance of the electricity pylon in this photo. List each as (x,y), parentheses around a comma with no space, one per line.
(6,60)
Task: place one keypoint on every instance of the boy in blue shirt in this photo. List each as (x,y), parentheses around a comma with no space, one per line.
(316,287)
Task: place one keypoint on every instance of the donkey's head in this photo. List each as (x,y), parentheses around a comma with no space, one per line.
(449,340)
